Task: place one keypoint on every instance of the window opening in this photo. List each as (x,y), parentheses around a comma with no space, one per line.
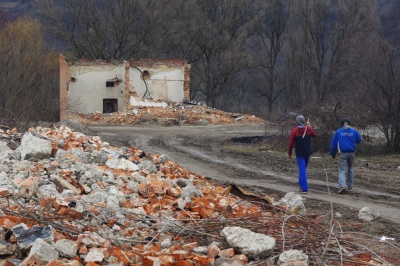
(110,84)
(110,106)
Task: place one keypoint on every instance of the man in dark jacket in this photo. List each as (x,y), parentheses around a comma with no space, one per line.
(300,139)
(344,143)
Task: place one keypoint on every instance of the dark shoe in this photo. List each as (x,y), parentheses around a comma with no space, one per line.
(341,190)
(303,191)
(350,189)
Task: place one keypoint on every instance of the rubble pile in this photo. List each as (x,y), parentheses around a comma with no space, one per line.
(71,199)
(173,114)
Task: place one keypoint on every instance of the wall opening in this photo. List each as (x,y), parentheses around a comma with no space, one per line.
(110,84)
(110,106)
(146,75)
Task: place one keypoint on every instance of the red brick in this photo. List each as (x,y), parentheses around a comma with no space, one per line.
(149,260)
(174,192)
(63,211)
(213,251)
(241,258)
(227,253)
(91,263)
(6,223)
(120,254)
(60,202)
(175,246)
(190,246)
(134,258)
(53,263)
(65,77)
(83,250)
(203,260)
(166,260)
(4,192)
(180,254)
(28,187)
(46,202)
(183,263)
(31,260)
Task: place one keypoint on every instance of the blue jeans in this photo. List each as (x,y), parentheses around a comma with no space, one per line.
(346,161)
(302,163)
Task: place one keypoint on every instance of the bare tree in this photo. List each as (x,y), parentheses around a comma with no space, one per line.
(29,81)
(271,29)
(170,38)
(212,35)
(242,97)
(378,94)
(101,29)
(219,33)
(320,34)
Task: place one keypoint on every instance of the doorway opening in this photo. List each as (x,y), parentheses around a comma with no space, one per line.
(110,106)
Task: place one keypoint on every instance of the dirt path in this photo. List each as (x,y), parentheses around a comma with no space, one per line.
(200,149)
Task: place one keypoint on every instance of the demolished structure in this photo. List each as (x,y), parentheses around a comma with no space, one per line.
(107,87)
(71,199)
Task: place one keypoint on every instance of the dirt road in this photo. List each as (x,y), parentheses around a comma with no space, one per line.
(209,151)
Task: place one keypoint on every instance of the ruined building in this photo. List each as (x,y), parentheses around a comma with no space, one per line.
(100,86)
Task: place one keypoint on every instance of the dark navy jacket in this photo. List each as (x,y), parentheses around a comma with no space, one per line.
(302,145)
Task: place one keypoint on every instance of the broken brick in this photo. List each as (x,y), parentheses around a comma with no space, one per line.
(28,187)
(149,260)
(227,253)
(182,263)
(54,263)
(4,192)
(190,246)
(92,263)
(242,258)
(120,254)
(83,250)
(32,259)
(46,202)
(213,251)
(204,260)
(63,211)
(180,254)
(174,191)
(60,202)
(6,223)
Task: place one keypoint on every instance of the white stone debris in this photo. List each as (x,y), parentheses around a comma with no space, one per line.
(252,244)
(368,215)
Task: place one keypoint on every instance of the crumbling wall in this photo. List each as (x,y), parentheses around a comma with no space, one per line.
(64,81)
(186,84)
(129,90)
(84,84)
(160,79)
(92,83)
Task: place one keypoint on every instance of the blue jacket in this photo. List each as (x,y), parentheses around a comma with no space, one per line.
(344,140)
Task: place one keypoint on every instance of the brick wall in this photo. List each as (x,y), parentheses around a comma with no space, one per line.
(64,81)
(129,90)
(186,82)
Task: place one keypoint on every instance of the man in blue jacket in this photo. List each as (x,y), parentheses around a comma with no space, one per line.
(344,143)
